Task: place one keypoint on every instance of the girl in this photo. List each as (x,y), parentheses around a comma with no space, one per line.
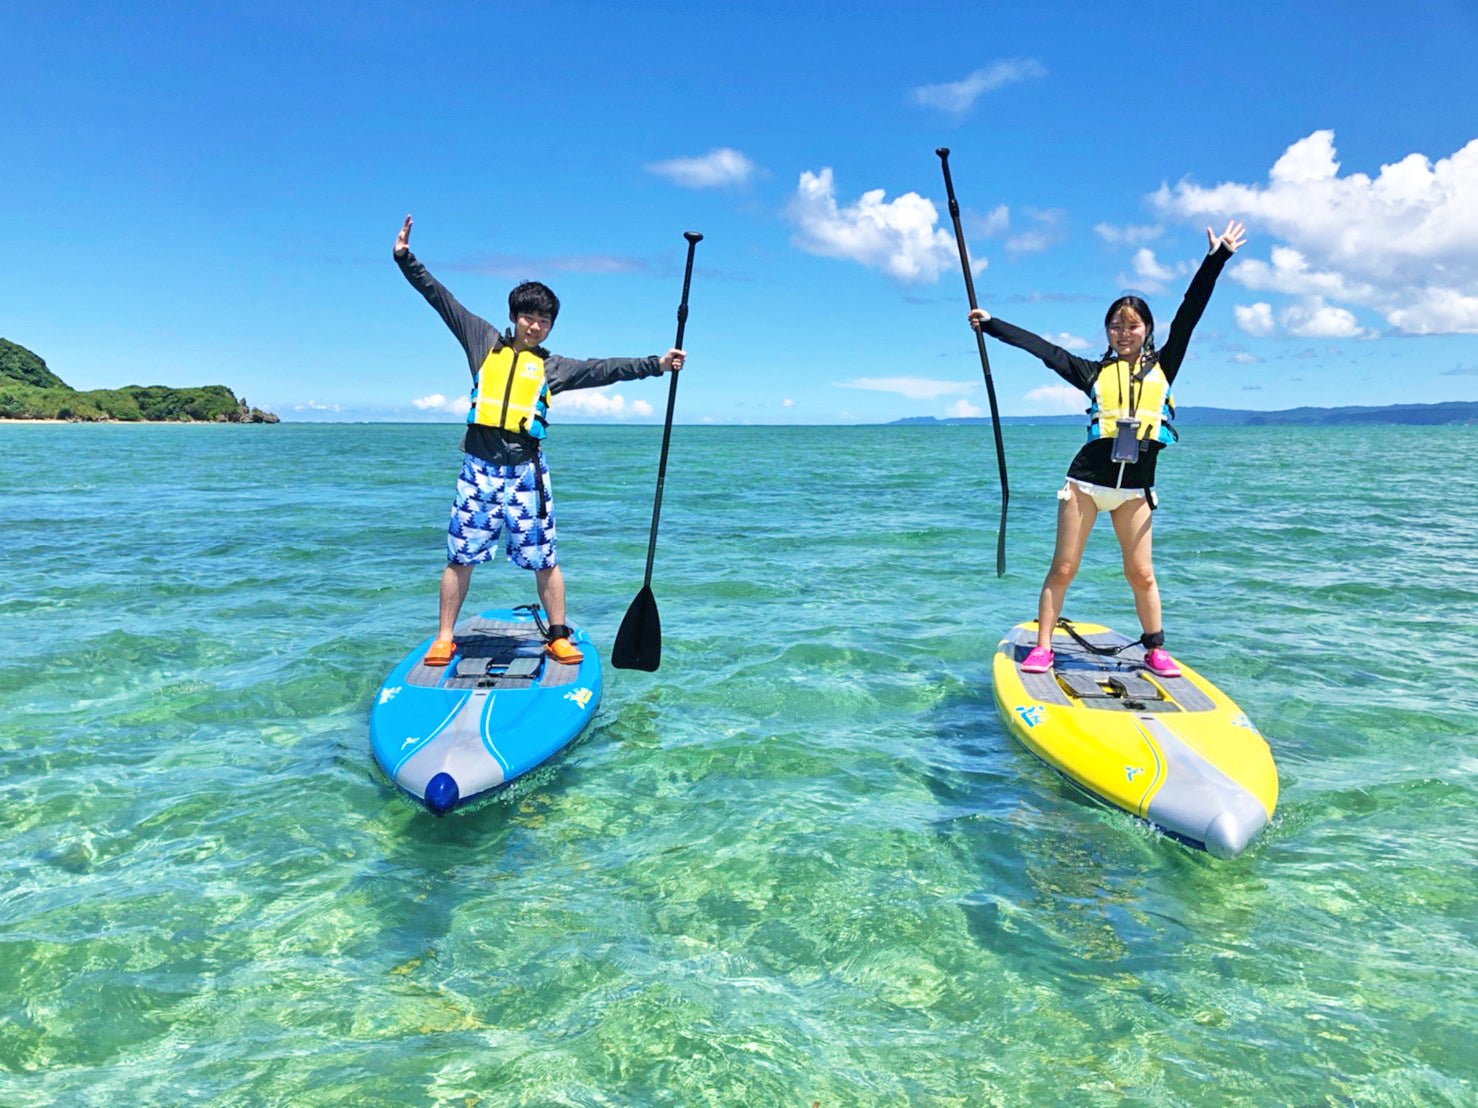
(1128,425)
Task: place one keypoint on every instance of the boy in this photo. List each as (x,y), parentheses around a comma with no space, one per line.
(504,480)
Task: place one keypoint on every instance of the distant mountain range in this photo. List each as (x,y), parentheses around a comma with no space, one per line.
(1424,415)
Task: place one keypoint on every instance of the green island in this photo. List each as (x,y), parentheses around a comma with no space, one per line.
(29,390)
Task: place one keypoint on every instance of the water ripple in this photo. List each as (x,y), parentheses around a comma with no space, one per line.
(803,862)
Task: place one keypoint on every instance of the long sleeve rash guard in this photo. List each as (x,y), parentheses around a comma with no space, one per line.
(1092,463)
(479,338)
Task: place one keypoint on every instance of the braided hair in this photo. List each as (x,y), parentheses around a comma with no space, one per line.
(1148,355)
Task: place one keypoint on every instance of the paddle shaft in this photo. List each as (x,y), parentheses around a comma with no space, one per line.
(990,388)
(694,238)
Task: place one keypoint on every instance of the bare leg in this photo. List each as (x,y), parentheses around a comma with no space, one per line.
(1132,525)
(1075,519)
(454,581)
(551,585)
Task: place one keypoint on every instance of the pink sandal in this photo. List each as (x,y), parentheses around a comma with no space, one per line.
(1038,661)
(1161,664)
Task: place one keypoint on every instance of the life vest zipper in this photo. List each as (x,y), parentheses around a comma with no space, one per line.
(508,390)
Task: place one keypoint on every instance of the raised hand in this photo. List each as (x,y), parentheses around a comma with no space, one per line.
(978,317)
(403,240)
(1232,238)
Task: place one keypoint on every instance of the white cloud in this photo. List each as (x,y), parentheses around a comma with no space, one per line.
(716,169)
(1058,398)
(438,403)
(1288,271)
(1311,318)
(1244,358)
(962,409)
(1403,243)
(1050,228)
(1128,235)
(1069,342)
(1029,242)
(993,223)
(788,402)
(582,402)
(1146,267)
(959,96)
(1441,311)
(1149,273)
(598,402)
(519,266)
(899,237)
(1255,319)
(914,388)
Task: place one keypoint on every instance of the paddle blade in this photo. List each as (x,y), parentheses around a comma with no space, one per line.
(639,641)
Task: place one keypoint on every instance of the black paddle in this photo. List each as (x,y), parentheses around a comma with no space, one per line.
(639,641)
(990,388)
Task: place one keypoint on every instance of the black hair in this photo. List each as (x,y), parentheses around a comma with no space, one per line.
(532,297)
(1136,305)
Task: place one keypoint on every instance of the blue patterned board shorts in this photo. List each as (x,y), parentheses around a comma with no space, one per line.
(492,497)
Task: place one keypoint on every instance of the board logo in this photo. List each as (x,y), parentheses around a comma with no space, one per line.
(1031,716)
(412,739)
(1243,721)
(1131,772)
(579,696)
(387,695)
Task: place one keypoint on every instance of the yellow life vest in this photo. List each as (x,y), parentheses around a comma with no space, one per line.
(1119,393)
(510,393)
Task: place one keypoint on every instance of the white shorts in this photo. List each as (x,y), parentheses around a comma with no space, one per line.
(1106,498)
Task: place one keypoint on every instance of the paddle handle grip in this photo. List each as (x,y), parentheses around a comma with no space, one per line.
(954,215)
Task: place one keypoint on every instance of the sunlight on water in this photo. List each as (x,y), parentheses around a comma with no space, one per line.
(803,862)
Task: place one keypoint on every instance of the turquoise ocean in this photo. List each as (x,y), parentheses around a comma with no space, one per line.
(802,863)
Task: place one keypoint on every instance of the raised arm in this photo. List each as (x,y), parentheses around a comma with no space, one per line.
(1076,371)
(470,329)
(1198,295)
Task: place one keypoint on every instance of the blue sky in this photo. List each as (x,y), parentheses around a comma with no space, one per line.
(208,193)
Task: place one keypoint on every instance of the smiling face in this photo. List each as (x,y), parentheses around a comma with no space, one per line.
(530,329)
(1126,333)
(532,309)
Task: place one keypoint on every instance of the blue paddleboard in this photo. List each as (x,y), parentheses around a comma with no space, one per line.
(445,734)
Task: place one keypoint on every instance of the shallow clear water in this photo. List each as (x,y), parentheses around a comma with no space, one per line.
(802,862)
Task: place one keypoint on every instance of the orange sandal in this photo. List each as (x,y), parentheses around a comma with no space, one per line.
(440,653)
(560,648)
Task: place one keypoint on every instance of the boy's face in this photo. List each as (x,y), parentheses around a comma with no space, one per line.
(530,329)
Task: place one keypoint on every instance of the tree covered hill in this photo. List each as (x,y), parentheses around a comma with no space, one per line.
(29,390)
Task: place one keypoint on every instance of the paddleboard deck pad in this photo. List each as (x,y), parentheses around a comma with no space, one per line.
(502,706)
(1175,751)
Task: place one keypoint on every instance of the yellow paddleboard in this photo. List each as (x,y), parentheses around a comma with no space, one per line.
(1175,751)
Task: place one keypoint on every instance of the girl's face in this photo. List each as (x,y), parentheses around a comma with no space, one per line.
(1126,334)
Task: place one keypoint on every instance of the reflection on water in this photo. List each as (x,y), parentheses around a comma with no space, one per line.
(803,862)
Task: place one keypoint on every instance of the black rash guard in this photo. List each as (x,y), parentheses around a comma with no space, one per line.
(479,338)
(1093,462)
